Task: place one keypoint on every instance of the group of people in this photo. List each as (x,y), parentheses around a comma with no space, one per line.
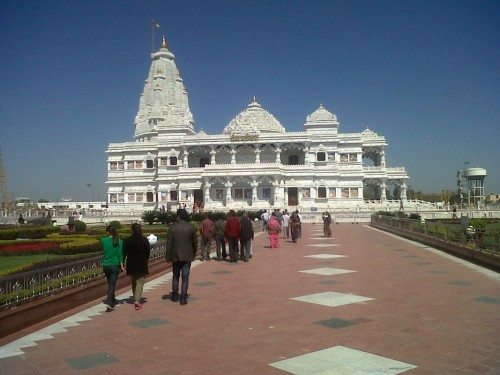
(289,224)
(237,232)
(132,254)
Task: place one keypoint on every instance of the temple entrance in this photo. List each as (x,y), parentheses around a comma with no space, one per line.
(198,198)
(293,199)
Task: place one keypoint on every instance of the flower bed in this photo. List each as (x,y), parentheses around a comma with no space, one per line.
(29,248)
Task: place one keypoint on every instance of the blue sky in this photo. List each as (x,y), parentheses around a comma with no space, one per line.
(424,74)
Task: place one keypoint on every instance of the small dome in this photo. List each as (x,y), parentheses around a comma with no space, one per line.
(321,115)
(368,133)
(254,120)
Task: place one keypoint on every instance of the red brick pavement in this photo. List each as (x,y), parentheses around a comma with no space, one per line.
(426,310)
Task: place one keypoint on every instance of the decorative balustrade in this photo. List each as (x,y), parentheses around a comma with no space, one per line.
(26,286)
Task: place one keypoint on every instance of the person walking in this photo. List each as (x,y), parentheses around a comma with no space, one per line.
(246,237)
(181,248)
(136,251)
(294,226)
(286,222)
(233,231)
(274,231)
(265,219)
(220,239)
(207,230)
(112,263)
(327,220)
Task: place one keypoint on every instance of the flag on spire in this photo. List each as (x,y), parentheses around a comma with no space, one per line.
(155,24)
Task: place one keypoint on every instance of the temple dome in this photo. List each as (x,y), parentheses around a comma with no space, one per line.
(254,120)
(321,115)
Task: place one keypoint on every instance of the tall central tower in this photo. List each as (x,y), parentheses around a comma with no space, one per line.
(164,105)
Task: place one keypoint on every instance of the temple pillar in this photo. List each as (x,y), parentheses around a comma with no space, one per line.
(212,156)
(403,192)
(306,154)
(254,186)
(207,192)
(233,155)
(276,200)
(185,158)
(383,191)
(278,154)
(228,186)
(257,155)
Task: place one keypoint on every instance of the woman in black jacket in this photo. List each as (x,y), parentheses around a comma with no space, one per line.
(136,250)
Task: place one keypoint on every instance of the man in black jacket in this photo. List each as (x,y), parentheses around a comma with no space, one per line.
(246,237)
(182,245)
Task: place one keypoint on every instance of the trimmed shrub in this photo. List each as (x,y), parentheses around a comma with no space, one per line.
(80,226)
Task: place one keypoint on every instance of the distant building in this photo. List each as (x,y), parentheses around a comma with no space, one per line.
(493,197)
(253,163)
(23,202)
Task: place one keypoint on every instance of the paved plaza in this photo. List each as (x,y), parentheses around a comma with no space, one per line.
(362,302)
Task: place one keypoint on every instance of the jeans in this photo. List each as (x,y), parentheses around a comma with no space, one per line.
(177,267)
(246,245)
(233,248)
(220,247)
(137,286)
(111,273)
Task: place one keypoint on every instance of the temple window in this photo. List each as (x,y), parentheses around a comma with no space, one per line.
(321,192)
(149,163)
(293,160)
(320,156)
(173,161)
(173,195)
(150,196)
(204,161)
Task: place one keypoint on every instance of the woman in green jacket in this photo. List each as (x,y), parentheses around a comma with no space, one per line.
(112,263)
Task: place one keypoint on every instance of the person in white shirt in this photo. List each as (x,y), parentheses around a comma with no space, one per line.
(286,220)
(265,219)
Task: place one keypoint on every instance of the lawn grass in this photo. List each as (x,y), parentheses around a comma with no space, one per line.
(17,262)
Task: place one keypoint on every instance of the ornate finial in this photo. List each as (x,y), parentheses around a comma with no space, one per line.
(254,99)
(178,73)
(164,42)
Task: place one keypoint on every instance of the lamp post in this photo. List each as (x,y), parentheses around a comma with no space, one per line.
(89,185)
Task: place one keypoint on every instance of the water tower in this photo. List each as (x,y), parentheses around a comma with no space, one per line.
(474,181)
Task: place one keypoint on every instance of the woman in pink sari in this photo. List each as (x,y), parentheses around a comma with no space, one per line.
(273,228)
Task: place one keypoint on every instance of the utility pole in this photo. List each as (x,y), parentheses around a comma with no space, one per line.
(5,187)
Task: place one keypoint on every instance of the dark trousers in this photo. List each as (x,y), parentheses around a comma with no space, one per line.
(111,273)
(233,248)
(220,244)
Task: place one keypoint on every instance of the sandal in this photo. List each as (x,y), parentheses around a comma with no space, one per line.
(137,305)
(109,308)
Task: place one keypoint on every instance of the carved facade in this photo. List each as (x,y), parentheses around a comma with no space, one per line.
(254,163)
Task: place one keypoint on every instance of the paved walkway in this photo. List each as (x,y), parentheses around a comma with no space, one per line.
(363,302)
